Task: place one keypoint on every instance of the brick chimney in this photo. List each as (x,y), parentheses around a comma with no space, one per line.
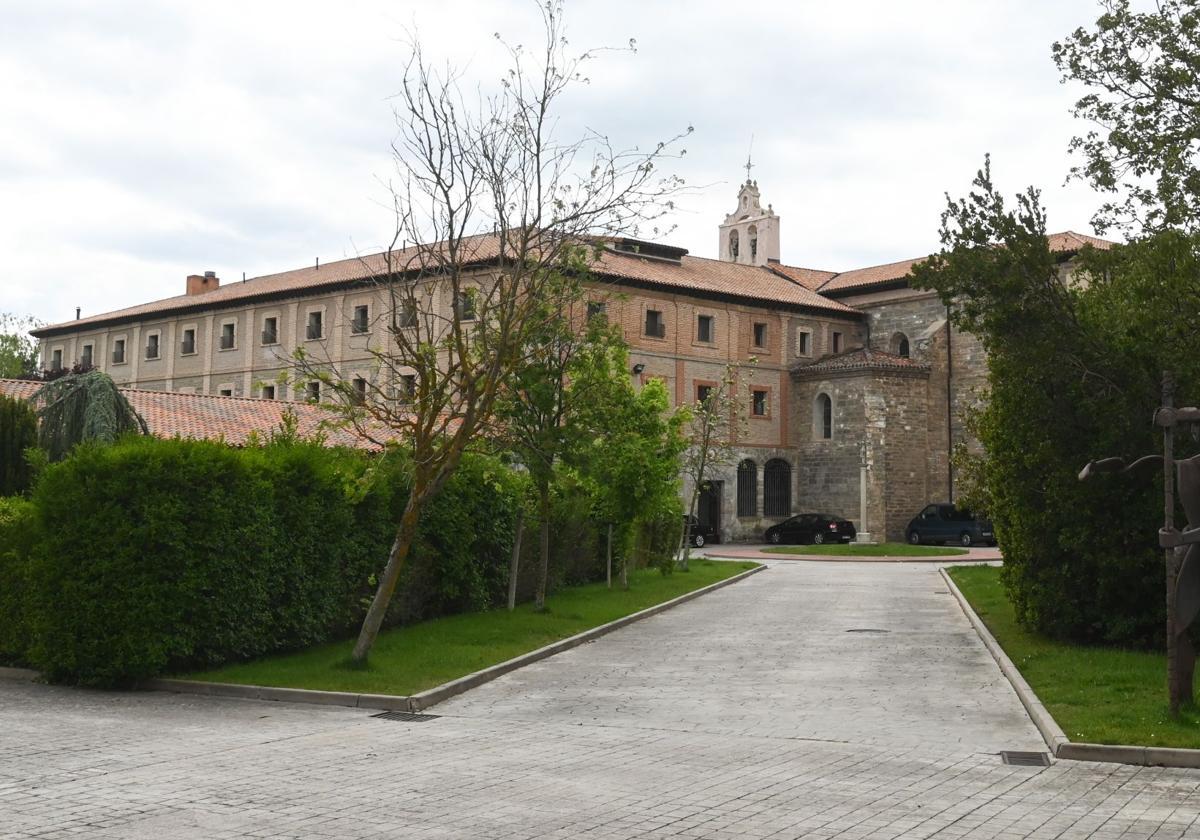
(197,285)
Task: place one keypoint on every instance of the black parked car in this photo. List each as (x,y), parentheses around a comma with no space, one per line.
(942,523)
(815,528)
(700,534)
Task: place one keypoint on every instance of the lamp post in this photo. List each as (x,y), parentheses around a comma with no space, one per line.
(864,466)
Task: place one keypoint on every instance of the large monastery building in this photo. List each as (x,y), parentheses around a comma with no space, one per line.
(852,367)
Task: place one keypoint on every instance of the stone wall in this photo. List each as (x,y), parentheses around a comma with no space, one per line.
(921,318)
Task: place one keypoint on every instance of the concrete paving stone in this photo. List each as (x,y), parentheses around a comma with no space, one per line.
(748,713)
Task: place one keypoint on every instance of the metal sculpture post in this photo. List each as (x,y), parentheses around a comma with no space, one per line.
(1181,549)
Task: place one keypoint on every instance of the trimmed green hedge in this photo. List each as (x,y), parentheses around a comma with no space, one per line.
(17,536)
(157,556)
(18,432)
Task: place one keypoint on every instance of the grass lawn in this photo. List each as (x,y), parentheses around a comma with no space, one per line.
(406,660)
(856,550)
(1098,695)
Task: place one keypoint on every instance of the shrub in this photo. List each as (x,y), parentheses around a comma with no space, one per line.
(18,432)
(166,555)
(16,538)
(1074,371)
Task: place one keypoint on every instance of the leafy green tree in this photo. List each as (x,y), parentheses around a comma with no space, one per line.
(1074,365)
(81,407)
(1143,96)
(18,432)
(489,201)
(630,458)
(537,412)
(18,350)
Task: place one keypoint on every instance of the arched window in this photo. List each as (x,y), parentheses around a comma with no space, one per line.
(823,417)
(752,234)
(900,344)
(747,488)
(777,488)
(733,244)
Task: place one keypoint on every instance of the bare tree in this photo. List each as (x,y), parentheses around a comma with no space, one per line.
(715,421)
(491,210)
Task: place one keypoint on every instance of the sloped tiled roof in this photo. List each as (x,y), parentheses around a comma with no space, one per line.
(860,358)
(772,284)
(862,279)
(716,276)
(873,276)
(690,274)
(210,417)
(809,278)
(300,280)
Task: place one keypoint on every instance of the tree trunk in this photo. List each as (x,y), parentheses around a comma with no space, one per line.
(543,544)
(625,567)
(608,574)
(516,559)
(401,546)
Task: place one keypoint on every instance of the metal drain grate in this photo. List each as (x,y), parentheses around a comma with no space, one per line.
(867,630)
(410,717)
(1025,759)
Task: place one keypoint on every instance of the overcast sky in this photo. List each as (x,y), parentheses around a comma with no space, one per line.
(141,142)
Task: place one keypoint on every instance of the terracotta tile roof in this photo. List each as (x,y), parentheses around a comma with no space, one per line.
(861,279)
(1069,241)
(873,276)
(210,417)
(809,278)
(773,284)
(309,279)
(860,358)
(690,274)
(707,275)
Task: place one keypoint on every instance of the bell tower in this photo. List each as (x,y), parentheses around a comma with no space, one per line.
(750,234)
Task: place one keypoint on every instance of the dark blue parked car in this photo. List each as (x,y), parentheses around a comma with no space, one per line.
(942,523)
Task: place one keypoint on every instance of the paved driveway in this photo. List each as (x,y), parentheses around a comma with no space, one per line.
(751,712)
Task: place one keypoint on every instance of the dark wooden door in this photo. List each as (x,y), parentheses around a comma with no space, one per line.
(708,506)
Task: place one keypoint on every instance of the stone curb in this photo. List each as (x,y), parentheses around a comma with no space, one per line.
(437,694)
(1051,732)
(18,674)
(1061,746)
(956,559)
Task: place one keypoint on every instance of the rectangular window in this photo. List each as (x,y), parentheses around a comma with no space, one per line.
(704,328)
(407,316)
(118,354)
(703,392)
(152,346)
(760,335)
(314,391)
(655,328)
(270,331)
(56,360)
(313,330)
(464,305)
(596,309)
(268,392)
(226,392)
(359,324)
(837,342)
(360,389)
(187,346)
(85,358)
(758,403)
(228,336)
(803,343)
(408,386)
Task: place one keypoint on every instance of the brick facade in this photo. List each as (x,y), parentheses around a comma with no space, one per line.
(900,380)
